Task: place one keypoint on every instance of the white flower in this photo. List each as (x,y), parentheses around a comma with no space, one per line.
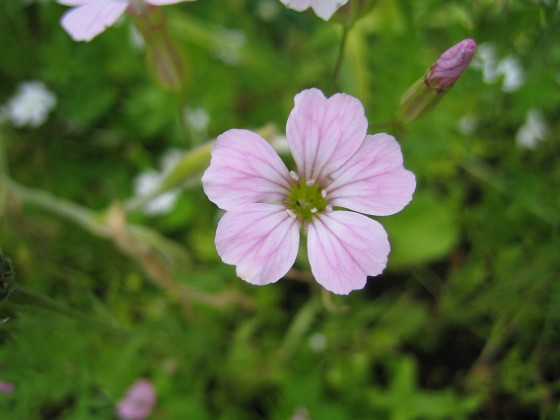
(148,182)
(514,75)
(136,38)
(197,119)
(485,61)
(492,69)
(230,43)
(533,131)
(318,342)
(268,10)
(467,124)
(31,105)
(322,8)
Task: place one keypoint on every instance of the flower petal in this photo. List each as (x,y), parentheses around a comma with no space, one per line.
(85,22)
(322,8)
(262,240)
(244,169)
(323,133)
(344,248)
(373,181)
(138,402)
(75,2)
(164,2)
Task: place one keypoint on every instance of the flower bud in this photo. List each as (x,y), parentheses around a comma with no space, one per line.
(7,387)
(452,63)
(165,61)
(423,95)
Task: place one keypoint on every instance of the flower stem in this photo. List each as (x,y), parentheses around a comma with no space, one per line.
(186,132)
(340,58)
(3,164)
(78,214)
(143,245)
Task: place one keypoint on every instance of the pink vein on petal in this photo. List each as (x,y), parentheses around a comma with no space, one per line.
(344,248)
(261,239)
(324,133)
(373,181)
(245,169)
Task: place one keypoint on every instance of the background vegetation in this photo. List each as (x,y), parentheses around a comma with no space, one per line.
(463,324)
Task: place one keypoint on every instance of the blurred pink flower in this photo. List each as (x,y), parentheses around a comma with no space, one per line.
(322,8)
(452,63)
(88,18)
(339,166)
(7,387)
(138,402)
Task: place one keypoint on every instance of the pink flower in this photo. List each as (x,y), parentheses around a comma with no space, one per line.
(138,402)
(88,18)
(322,8)
(452,63)
(7,387)
(339,168)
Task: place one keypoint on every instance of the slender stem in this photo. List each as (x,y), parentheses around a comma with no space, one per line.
(340,58)
(78,214)
(189,168)
(3,163)
(138,242)
(4,175)
(182,113)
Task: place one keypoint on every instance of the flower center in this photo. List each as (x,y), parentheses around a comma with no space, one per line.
(306,199)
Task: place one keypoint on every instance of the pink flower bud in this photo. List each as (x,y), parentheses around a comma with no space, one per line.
(164,58)
(426,92)
(6,387)
(451,65)
(138,402)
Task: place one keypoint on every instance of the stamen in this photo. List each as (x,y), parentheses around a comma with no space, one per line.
(328,208)
(291,214)
(313,210)
(294,176)
(310,182)
(323,193)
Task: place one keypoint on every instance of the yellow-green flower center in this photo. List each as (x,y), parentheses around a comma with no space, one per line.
(306,199)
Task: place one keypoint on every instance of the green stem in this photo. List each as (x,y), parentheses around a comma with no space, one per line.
(3,163)
(187,134)
(340,58)
(189,168)
(78,214)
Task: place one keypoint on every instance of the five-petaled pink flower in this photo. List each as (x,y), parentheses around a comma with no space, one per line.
(138,402)
(322,8)
(340,168)
(88,18)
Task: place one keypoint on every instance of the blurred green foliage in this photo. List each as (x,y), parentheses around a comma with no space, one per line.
(464,323)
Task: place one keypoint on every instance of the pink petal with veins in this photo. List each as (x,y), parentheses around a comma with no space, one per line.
(324,133)
(373,181)
(344,248)
(88,20)
(164,2)
(244,169)
(261,240)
